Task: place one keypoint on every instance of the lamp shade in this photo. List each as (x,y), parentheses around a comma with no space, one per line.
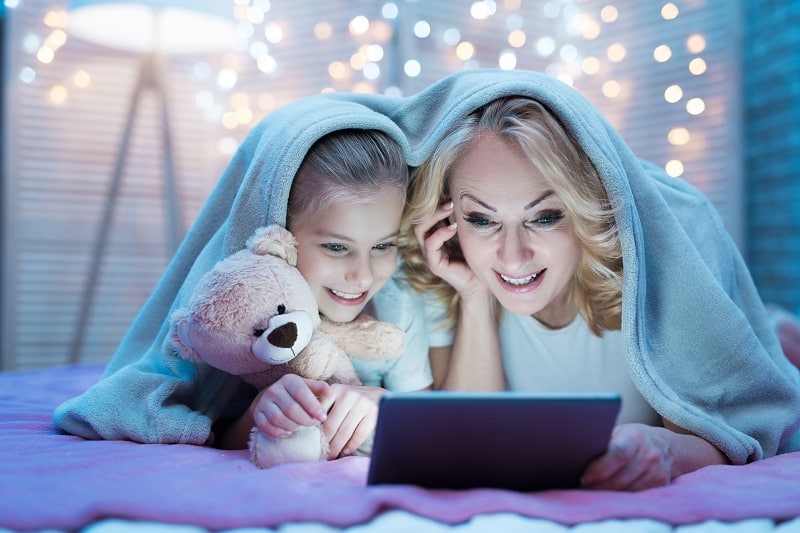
(168,26)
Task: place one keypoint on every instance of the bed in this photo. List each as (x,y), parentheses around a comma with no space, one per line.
(53,481)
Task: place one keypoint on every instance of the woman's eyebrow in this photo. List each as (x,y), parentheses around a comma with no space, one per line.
(530,205)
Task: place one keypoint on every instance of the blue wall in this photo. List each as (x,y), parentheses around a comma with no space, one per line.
(772,148)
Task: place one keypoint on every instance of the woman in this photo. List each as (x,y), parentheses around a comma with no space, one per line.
(564,263)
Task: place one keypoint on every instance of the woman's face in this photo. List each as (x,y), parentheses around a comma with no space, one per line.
(514,231)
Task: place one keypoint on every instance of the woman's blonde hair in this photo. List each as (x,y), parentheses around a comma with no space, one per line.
(558,158)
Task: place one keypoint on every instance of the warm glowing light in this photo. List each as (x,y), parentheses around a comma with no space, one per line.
(589,28)
(465,50)
(58,94)
(363,87)
(512,5)
(229,121)
(412,68)
(323,31)
(267,64)
(266,102)
(697,66)
(517,38)
(591,65)
(616,52)
(679,136)
(669,11)
(609,13)
(359,25)
(56,19)
(695,106)
(696,43)
(673,94)
(482,10)
(545,46)
(374,52)
(337,70)
(508,60)
(227,78)
(274,33)
(81,79)
(45,55)
(357,61)
(674,168)
(662,53)
(422,29)
(244,116)
(612,89)
(380,31)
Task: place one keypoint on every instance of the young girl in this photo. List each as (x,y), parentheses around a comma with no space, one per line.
(563,263)
(345,210)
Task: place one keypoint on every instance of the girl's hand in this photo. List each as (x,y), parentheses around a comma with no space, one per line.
(641,457)
(289,403)
(352,415)
(433,234)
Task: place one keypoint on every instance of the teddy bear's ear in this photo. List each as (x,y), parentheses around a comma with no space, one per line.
(274,240)
(178,333)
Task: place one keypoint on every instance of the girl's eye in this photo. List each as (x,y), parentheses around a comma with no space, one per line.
(335,248)
(481,223)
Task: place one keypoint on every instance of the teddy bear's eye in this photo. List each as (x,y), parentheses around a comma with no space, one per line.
(258,331)
(281,309)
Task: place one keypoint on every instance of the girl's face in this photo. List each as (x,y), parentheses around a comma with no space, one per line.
(348,250)
(514,232)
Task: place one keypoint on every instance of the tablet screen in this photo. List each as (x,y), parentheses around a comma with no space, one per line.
(511,440)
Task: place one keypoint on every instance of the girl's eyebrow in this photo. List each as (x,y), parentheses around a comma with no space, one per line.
(337,237)
(530,205)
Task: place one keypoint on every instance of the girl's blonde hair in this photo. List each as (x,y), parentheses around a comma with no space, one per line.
(346,165)
(557,157)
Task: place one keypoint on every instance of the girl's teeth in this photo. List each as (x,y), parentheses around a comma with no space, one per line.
(345,295)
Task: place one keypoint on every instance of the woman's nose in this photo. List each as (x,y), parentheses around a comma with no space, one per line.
(515,249)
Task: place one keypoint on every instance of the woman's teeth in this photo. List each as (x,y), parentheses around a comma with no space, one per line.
(519,281)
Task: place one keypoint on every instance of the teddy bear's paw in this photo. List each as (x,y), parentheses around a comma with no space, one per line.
(305,445)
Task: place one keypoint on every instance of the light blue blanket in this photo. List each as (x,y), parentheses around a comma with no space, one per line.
(700,347)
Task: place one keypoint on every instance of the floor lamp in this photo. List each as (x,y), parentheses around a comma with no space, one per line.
(155,29)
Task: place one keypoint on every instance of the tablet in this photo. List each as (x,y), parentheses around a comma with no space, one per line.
(510,440)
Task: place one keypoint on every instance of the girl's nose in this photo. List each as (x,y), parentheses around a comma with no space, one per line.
(359,273)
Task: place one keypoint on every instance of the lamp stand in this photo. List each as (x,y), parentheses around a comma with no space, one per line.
(149,79)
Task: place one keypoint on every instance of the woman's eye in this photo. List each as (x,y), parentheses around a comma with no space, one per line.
(480,223)
(334,247)
(546,220)
(384,246)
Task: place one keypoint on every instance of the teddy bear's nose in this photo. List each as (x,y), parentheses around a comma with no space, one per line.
(283,336)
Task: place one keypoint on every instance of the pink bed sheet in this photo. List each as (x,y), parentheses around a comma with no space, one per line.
(51,480)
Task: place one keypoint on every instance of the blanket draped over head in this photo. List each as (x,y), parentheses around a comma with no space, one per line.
(699,346)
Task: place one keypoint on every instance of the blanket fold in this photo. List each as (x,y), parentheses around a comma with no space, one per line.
(700,347)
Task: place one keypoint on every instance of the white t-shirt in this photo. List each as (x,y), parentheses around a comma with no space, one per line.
(570,359)
(398,304)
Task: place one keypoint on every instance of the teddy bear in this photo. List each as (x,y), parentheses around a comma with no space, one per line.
(254,315)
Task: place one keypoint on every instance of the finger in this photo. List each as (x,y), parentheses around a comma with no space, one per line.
(607,466)
(425,229)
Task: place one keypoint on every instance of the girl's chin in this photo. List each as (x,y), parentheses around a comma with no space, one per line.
(341,315)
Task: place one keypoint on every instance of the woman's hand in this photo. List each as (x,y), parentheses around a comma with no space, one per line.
(351,417)
(641,457)
(433,235)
